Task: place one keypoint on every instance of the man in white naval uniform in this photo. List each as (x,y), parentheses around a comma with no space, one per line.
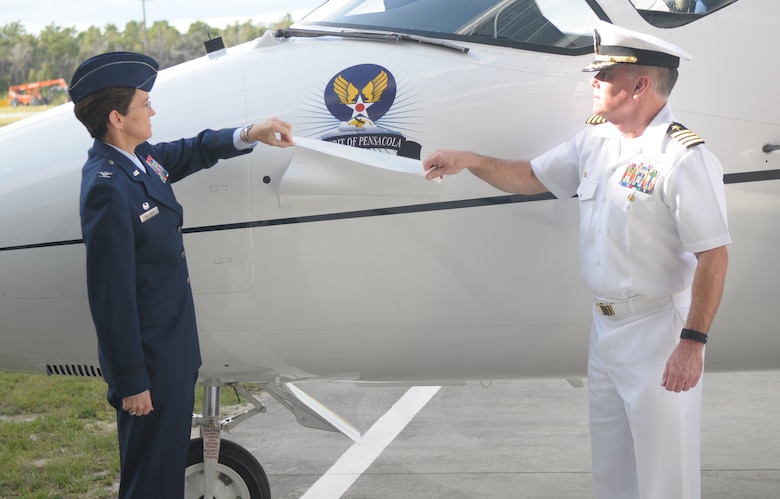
(653,236)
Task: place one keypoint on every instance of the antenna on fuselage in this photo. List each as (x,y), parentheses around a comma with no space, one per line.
(214,44)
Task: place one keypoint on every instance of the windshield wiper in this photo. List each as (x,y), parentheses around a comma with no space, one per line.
(370,35)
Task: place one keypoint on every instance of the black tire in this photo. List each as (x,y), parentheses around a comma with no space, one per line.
(238,471)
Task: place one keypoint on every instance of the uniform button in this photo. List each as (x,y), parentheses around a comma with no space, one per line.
(188,279)
(183,253)
(178,229)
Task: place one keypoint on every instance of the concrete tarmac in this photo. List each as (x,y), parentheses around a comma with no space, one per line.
(508,439)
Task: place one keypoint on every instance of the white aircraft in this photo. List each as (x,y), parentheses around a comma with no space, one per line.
(337,260)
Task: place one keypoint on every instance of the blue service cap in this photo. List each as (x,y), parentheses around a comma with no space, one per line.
(614,45)
(114,69)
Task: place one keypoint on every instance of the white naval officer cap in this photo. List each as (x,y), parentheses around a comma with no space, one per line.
(614,45)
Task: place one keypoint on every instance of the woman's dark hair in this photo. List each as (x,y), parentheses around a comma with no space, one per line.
(92,111)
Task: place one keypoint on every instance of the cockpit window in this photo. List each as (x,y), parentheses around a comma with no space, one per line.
(673,13)
(559,26)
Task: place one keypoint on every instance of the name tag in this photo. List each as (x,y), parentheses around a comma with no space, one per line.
(149,214)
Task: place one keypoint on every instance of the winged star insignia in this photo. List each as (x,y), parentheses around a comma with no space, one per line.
(359,97)
(360,100)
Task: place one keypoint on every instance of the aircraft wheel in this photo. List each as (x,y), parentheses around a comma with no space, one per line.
(239,475)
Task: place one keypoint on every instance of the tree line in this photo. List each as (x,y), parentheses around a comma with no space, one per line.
(56,52)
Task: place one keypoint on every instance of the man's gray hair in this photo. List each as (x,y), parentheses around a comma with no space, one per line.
(664,79)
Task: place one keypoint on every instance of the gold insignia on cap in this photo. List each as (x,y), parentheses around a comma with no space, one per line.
(615,45)
(684,136)
(616,59)
(595,120)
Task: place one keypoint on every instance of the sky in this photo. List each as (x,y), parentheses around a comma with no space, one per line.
(35,15)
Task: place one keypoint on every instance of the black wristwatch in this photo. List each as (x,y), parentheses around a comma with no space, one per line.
(692,334)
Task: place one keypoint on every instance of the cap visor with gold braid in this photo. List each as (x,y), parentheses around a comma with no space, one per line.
(614,45)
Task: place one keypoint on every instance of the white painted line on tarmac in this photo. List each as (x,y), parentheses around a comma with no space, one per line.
(356,460)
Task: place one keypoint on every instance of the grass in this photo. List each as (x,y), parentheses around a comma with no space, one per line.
(58,437)
(9,114)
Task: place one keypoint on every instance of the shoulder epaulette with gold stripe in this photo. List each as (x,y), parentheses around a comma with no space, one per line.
(595,120)
(684,136)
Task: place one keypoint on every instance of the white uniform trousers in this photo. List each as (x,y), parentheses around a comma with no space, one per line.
(645,440)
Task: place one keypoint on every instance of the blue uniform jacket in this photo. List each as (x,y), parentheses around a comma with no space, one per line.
(137,278)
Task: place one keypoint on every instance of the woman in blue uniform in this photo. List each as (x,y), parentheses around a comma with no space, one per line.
(137,278)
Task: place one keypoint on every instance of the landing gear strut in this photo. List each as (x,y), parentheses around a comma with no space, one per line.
(221,469)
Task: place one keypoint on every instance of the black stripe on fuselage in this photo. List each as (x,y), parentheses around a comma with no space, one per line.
(729,178)
(395,210)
